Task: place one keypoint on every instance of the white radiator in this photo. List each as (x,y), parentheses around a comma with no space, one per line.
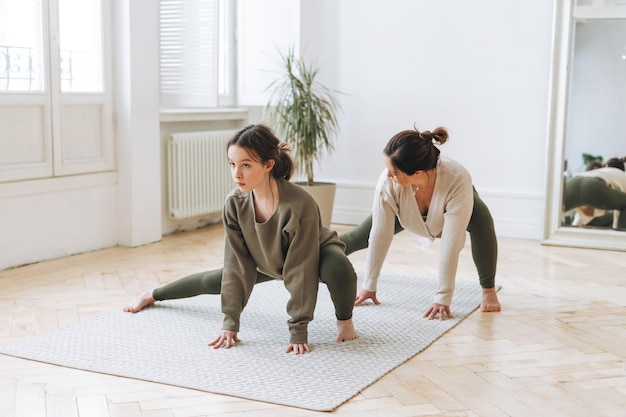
(198,173)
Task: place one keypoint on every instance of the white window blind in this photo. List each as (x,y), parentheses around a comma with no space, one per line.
(189,43)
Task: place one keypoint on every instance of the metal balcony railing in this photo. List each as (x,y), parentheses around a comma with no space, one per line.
(18,68)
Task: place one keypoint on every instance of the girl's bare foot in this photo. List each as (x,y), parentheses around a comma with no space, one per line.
(490,301)
(144,300)
(346,330)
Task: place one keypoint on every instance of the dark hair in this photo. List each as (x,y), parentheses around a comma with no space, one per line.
(616,163)
(593,164)
(411,150)
(263,144)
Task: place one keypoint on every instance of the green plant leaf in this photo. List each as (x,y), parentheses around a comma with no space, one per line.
(588,158)
(303,112)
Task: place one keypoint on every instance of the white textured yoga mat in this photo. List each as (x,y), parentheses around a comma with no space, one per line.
(167,343)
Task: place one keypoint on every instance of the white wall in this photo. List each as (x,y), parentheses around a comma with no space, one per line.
(137,127)
(597,111)
(478,67)
(49,219)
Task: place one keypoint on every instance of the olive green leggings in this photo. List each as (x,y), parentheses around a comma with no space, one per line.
(336,271)
(482,237)
(595,192)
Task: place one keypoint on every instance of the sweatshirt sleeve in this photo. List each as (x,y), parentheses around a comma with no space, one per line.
(301,275)
(381,234)
(239,273)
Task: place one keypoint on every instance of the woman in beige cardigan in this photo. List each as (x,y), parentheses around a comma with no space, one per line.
(432,197)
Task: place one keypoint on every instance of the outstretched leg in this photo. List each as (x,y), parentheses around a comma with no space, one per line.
(358,238)
(208,282)
(484,252)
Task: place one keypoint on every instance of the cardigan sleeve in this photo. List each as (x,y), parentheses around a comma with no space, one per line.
(458,211)
(381,235)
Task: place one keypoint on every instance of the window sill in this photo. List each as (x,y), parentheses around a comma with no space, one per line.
(56,184)
(195,115)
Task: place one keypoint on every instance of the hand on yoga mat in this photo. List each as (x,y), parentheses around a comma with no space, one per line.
(365,295)
(298,348)
(440,310)
(226,339)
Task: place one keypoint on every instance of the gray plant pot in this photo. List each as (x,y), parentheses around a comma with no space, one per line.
(324,195)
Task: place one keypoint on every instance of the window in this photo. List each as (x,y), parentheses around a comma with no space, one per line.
(203,66)
(196,53)
(80,46)
(55,108)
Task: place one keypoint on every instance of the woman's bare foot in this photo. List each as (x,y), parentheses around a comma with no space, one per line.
(490,301)
(138,304)
(346,330)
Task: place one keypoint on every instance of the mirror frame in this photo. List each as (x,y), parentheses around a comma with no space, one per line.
(562,49)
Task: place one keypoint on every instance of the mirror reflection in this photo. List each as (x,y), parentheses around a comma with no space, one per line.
(594,179)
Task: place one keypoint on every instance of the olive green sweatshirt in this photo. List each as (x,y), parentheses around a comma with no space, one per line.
(286,246)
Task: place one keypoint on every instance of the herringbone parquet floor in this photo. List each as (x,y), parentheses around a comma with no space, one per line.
(558,348)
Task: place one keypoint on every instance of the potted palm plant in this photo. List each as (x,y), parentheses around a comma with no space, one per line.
(303,113)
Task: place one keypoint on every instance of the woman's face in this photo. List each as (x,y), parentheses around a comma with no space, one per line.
(247,171)
(395,174)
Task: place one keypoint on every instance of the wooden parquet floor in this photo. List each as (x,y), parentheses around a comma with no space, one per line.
(558,347)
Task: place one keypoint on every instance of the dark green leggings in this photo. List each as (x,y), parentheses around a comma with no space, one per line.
(336,271)
(482,237)
(595,192)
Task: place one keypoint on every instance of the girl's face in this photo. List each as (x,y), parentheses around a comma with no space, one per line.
(247,171)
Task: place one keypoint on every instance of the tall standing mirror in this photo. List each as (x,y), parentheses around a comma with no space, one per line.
(587,115)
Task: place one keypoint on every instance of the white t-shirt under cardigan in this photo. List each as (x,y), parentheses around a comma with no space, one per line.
(448,216)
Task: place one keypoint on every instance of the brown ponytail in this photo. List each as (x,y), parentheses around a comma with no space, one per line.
(411,150)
